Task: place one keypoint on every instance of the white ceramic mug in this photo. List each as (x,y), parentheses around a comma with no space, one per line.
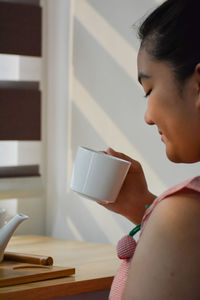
(98,176)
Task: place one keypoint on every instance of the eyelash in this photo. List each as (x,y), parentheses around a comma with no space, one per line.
(148,93)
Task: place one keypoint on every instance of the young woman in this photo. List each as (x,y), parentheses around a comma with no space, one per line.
(166,261)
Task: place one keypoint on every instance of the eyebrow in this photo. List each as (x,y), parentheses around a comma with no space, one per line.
(142,76)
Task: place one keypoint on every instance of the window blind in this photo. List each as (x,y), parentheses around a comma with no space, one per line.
(20,101)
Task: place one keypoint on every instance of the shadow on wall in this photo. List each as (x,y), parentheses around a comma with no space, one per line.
(87,221)
(109,77)
(115,109)
(121,15)
(108,110)
(81,125)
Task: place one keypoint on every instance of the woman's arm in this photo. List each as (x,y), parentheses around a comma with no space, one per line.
(166,263)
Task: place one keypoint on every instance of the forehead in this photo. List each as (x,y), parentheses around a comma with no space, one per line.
(145,62)
(146,65)
(142,59)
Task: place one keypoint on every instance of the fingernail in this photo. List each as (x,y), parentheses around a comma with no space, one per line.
(100,202)
(110,149)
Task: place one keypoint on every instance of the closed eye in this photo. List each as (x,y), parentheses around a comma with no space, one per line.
(148,93)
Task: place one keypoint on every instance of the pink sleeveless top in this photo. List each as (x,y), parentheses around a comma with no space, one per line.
(120,279)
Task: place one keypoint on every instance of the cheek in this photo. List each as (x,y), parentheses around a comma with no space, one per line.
(162,105)
(155,109)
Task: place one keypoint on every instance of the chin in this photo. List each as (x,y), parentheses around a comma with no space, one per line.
(175,160)
(184,159)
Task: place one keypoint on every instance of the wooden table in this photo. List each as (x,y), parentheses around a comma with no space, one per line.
(95,266)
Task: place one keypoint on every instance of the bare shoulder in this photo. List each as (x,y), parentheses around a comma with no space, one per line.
(178,215)
(166,263)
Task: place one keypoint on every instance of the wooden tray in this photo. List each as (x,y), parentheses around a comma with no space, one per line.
(12,273)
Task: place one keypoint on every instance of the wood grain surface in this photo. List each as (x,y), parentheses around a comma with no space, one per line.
(95,265)
(12,273)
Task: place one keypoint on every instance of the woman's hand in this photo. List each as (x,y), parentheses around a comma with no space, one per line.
(134,194)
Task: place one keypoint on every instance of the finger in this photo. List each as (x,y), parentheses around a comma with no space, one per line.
(120,155)
(106,204)
(103,152)
(135,165)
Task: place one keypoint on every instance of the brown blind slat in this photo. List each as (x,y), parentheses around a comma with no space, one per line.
(20,29)
(20,114)
(20,85)
(19,171)
(28,2)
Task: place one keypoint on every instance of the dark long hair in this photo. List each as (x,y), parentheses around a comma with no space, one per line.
(171,33)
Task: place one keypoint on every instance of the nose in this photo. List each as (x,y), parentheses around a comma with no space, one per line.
(148,118)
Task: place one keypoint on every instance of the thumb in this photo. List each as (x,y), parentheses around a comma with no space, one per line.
(112,152)
(134,163)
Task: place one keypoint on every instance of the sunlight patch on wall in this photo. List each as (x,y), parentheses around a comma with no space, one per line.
(109,226)
(108,37)
(109,131)
(73,229)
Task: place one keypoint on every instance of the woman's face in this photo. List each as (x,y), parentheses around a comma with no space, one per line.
(176,114)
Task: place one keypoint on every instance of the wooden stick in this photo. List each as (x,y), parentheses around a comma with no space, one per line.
(29,258)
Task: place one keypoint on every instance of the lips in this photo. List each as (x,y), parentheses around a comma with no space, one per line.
(162,137)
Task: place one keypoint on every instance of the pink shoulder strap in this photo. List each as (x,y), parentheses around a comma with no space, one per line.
(193,184)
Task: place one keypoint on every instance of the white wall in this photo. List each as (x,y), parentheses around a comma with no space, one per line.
(93,99)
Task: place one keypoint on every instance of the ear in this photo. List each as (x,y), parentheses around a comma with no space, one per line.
(197,79)
(197,75)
